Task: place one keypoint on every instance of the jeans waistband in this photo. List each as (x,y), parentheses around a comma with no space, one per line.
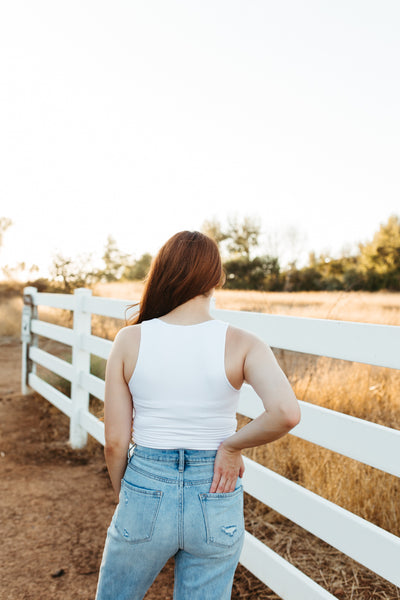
(180,456)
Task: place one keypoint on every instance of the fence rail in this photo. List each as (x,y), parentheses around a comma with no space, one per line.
(367,442)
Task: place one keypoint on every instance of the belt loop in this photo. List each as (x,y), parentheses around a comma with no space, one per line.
(181,459)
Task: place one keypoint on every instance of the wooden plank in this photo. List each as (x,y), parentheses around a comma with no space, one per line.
(277,573)
(96,345)
(363,541)
(108,307)
(57,365)
(369,443)
(367,343)
(66,301)
(92,384)
(93,426)
(55,397)
(65,335)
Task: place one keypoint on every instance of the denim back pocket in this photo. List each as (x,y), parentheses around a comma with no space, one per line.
(223,516)
(137,512)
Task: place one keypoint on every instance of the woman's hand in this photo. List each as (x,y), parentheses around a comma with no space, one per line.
(228,466)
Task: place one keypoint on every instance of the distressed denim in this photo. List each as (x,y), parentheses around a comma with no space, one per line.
(164,510)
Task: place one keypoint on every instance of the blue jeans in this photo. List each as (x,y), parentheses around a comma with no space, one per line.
(164,510)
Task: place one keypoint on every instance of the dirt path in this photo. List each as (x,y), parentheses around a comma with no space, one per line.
(56,504)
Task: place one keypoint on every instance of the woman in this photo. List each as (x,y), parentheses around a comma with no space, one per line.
(180,491)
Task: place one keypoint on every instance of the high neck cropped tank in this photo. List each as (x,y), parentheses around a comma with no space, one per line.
(181,395)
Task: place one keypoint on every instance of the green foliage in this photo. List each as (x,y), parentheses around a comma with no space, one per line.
(72,273)
(376,266)
(115,261)
(120,266)
(240,237)
(298,280)
(379,259)
(69,273)
(353,279)
(243,236)
(382,254)
(259,273)
(138,269)
(213,229)
(325,273)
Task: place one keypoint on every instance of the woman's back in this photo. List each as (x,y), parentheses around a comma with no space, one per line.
(181,394)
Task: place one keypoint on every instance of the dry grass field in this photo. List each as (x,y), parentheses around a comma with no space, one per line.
(356,389)
(365,391)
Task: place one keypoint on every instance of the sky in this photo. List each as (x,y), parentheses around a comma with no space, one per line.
(140,119)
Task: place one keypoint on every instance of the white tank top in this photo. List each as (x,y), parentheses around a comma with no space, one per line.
(181,395)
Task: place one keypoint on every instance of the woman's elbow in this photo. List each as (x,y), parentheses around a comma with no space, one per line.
(115,446)
(291,415)
(294,416)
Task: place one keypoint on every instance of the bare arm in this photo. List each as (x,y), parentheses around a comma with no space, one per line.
(281,413)
(281,408)
(117,414)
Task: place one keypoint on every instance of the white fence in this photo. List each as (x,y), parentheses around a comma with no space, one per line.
(366,442)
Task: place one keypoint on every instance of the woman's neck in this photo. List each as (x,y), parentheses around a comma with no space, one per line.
(191,312)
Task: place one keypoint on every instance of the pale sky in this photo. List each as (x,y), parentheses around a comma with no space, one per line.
(140,119)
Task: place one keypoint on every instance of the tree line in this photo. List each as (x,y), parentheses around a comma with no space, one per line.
(374,266)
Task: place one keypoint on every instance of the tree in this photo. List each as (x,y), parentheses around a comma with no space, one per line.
(213,229)
(259,273)
(379,259)
(243,236)
(139,268)
(312,260)
(73,273)
(115,261)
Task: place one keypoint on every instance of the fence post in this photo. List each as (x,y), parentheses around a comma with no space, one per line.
(29,312)
(81,363)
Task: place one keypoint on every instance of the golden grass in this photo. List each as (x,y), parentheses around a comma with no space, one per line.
(10,317)
(362,307)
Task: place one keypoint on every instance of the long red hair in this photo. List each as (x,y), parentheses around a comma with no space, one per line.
(187,265)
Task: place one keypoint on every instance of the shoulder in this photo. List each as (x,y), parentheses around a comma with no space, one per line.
(243,338)
(127,337)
